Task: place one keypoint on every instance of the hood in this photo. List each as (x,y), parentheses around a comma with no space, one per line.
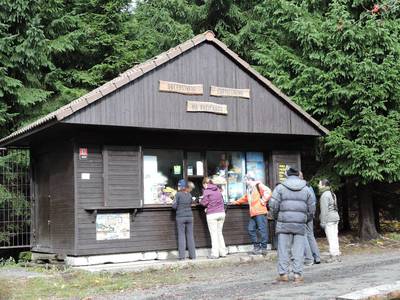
(211,187)
(294,183)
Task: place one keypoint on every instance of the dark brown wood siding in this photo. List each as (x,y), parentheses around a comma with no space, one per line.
(54,198)
(140,104)
(155,229)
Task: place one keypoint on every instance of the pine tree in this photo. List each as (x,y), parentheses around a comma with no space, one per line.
(340,61)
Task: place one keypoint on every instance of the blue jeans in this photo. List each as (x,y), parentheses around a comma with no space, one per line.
(258,224)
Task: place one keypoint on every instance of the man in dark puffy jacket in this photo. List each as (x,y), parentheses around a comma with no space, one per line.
(292,206)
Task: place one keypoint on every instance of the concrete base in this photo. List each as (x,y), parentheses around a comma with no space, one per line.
(145,256)
(147,265)
(381,292)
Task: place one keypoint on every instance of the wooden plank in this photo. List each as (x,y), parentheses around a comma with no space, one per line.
(180,88)
(229,92)
(211,107)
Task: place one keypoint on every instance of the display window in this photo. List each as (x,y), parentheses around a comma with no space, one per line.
(255,163)
(227,169)
(162,170)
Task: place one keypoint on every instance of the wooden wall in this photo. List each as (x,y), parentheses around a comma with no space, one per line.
(141,104)
(155,229)
(54,214)
(72,229)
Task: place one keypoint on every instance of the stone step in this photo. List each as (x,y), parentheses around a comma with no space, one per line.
(380,292)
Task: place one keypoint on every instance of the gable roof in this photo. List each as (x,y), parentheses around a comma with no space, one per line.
(145,67)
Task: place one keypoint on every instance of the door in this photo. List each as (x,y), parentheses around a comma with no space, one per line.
(281,160)
(42,219)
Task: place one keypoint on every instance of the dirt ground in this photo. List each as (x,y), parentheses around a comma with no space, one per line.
(255,281)
(364,264)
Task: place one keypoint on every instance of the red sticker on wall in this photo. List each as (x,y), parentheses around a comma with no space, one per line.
(83,153)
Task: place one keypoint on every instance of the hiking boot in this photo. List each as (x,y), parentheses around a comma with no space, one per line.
(281,279)
(298,278)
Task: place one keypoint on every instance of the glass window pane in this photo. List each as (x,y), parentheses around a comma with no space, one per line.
(162,170)
(256,164)
(236,184)
(226,168)
(195,166)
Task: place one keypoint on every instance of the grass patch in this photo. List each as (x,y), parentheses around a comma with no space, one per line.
(393,236)
(82,284)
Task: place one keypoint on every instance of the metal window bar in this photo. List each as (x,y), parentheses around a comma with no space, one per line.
(15,202)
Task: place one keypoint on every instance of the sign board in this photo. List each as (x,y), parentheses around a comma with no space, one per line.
(211,107)
(181,88)
(83,153)
(281,172)
(229,92)
(177,170)
(112,226)
(85,176)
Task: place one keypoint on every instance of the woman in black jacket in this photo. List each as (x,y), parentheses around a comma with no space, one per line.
(184,220)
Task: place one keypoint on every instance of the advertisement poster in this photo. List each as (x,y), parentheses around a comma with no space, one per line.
(112,226)
(255,163)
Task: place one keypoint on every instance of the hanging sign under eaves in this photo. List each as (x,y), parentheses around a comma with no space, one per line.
(181,88)
(229,92)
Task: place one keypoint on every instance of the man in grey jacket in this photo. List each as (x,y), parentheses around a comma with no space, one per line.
(292,206)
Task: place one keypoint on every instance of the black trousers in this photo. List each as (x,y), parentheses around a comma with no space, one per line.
(185,237)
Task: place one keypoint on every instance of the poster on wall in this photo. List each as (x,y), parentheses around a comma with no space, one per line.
(112,226)
(255,163)
(150,168)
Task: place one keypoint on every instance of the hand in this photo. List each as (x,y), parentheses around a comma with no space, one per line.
(233,202)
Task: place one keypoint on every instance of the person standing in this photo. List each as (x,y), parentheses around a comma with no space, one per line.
(329,218)
(184,220)
(257,197)
(214,203)
(291,205)
(312,254)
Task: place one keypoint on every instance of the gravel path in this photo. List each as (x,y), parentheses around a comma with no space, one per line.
(254,280)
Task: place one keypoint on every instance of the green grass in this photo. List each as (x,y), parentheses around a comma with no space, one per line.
(81,284)
(393,236)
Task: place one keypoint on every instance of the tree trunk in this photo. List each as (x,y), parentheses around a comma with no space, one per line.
(366,217)
(377,216)
(345,206)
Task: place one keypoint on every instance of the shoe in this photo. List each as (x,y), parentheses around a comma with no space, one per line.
(264,252)
(298,278)
(256,251)
(281,279)
(317,262)
(308,263)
